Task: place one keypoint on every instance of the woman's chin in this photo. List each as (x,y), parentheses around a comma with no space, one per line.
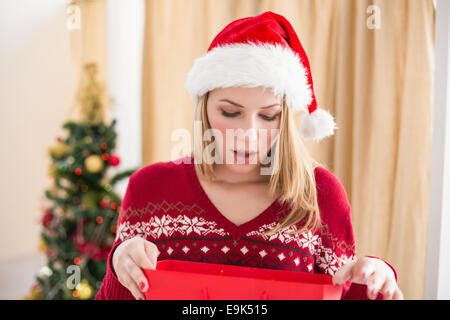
(242,167)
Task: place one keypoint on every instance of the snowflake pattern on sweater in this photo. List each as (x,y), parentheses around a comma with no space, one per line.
(181,225)
(164,203)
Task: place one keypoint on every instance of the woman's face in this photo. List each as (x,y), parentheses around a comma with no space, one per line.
(248,120)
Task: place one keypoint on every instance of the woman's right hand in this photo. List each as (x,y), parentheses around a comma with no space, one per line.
(128,260)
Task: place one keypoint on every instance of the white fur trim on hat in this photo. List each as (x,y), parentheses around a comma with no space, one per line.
(252,65)
(317,125)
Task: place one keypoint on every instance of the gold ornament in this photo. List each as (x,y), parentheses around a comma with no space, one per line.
(35,293)
(84,290)
(52,170)
(59,151)
(42,246)
(93,163)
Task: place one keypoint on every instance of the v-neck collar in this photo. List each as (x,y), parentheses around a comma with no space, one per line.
(268,215)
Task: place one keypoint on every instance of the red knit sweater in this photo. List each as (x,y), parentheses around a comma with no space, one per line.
(166,204)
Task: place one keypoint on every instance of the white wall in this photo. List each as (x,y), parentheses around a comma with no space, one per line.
(37,81)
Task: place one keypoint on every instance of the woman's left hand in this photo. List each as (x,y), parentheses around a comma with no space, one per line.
(375,273)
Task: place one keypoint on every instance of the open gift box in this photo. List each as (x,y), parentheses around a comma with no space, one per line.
(187,280)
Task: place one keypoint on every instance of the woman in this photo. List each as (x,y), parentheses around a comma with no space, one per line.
(250,194)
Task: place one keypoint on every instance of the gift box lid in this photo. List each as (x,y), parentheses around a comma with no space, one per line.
(188,280)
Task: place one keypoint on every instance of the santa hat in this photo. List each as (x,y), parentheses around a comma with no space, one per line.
(262,50)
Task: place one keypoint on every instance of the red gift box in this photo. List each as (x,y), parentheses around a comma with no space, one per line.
(187,280)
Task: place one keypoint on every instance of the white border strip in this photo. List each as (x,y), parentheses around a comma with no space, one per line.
(437,277)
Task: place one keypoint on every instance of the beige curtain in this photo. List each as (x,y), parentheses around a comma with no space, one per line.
(377,83)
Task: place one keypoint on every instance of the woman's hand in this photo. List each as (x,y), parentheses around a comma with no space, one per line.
(375,273)
(128,260)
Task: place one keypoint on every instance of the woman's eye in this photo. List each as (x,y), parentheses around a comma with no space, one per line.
(230,114)
(267,118)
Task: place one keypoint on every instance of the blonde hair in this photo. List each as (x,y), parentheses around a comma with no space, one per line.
(292,178)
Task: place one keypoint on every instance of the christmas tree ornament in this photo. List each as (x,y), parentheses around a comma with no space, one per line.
(52,170)
(262,50)
(75,293)
(47,219)
(93,164)
(35,293)
(78,171)
(50,253)
(77,261)
(42,246)
(64,168)
(61,193)
(45,271)
(104,203)
(58,265)
(84,290)
(114,161)
(59,151)
(105,156)
(65,183)
(99,220)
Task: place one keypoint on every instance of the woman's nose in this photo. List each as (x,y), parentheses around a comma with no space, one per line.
(248,137)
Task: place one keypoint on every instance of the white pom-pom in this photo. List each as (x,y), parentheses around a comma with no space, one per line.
(317,125)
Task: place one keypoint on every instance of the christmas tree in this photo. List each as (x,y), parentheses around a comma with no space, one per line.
(80,207)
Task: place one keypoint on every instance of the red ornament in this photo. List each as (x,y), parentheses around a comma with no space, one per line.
(103,146)
(114,161)
(91,250)
(50,253)
(104,203)
(77,261)
(99,220)
(47,219)
(78,171)
(114,206)
(105,156)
